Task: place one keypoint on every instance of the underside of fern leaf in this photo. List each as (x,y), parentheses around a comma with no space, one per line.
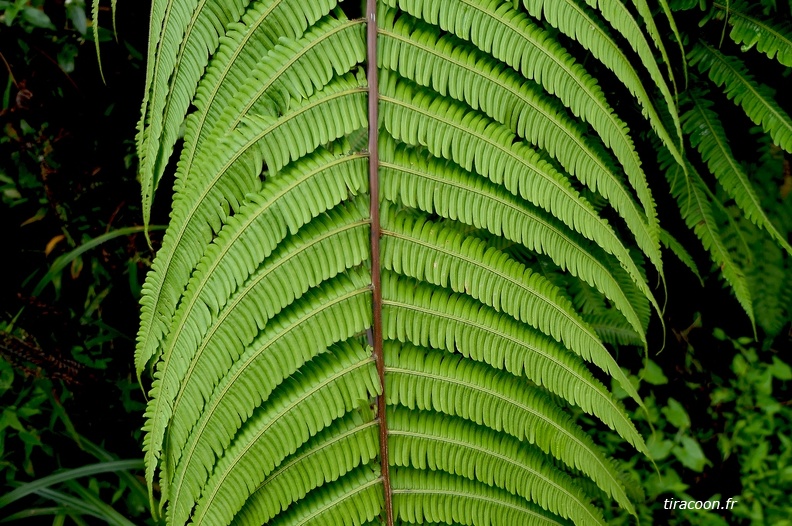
(342,334)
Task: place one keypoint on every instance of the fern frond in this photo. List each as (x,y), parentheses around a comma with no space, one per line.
(188,34)
(612,330)
(449,191)
(434,497)
(95,30)
(429,441)
(321,180)
(607,322)
(337,312)
(764,262)
(241,51)
(447,383)
(441,255)
(451,131)
(428,316)
(290,71)
(740,87)
(209,289)
(304,190)
(769,279)
(334,452)
(330,48)
(696,208)
(460,71)
(220,184)
(646,15)
(194,35)
(669,14)
(354,500)
(580,24)
(208,339)
(160,10)
(280,345)
(196,351)
(330,386)
(749,30)
(496,28)
(708,136)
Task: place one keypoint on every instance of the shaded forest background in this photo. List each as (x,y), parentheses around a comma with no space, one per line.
(75,258)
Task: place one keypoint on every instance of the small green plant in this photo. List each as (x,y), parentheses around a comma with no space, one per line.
(35,433)
(755,407)
(744,426)
(73,254)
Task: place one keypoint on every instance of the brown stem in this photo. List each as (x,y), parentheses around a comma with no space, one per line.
(8,67)
(376,280)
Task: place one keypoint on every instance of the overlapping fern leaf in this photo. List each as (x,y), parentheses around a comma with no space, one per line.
(732,208)
(297,377)
(767,265)
(749,28)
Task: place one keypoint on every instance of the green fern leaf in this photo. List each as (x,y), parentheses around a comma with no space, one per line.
(609,324)
(772,302)
(681,253)
(188,35)
(648,18)
(423,379)
(433,497)
(428,441)
(612,330)
(461,72)
(708,136)
(223,180)
(329,387)
(449,130)
(334,452)
(695,204)
(95,29)
(414,180)
(739,86)
(288,70)
(355,500)
(411,315)
(229,334)
(442,256)
(750,30)
(315,306)
(309,325)
(575,21)
(496,28)
(265,294)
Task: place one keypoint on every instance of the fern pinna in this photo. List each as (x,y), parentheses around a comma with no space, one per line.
(737,204)
(367,306)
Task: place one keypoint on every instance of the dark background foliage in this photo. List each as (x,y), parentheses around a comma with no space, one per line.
(719,401)
(67,174)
